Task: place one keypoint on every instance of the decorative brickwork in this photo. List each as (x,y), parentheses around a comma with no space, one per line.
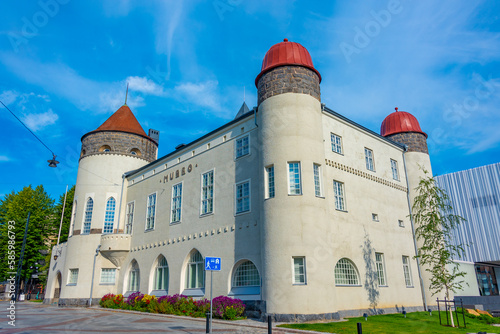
(288,79)
(119,143)
(415,141)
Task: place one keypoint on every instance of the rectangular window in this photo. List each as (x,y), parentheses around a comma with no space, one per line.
(242,146)
(336,143)
(379,262)
(243,197)
(270,181)
(407,271)
(176,203)
(299,270)
(369,159)
(150,212)
(375,217)
(207,192)
(73,276)
(317,180)
(338,190)
(401,223)
(394,169)
(129,218)
(294,182)
(108,275)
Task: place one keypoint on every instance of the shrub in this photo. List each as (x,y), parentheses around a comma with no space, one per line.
(227,308)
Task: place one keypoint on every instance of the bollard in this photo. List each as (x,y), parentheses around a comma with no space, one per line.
(360,329)
(269,325)
(208,322)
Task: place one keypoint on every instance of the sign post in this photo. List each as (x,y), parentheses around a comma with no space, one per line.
(212,264)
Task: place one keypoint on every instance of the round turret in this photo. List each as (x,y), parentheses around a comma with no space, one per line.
(287,68)
(402,127)
(120,134)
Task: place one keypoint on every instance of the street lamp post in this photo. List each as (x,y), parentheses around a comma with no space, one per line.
(93,270)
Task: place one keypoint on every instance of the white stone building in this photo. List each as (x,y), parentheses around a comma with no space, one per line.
(308,210)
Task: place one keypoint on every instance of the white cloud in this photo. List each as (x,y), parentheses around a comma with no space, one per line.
(144,85)
(8,96)
(4,158)
(203,94)
(38,121)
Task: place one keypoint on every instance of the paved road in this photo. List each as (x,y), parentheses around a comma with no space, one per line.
(35,318)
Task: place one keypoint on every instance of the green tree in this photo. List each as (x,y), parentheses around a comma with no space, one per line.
(435,223)
(14,207)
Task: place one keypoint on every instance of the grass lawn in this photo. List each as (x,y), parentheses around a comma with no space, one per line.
(415,322)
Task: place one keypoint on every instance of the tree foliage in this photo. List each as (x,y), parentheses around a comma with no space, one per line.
(42,231)
(435,223)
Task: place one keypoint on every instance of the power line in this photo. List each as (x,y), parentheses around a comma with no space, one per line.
(28,129)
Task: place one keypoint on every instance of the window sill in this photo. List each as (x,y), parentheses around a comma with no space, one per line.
(149,230)
(295,194)
(241,157)
(206,214)
(342,210)
(174,223)
(349,286)
(410,286)
(383,286)
(265,199)
(197,292)
(71,284)
(299,284)
(107,283)
(322,197)
(241,213)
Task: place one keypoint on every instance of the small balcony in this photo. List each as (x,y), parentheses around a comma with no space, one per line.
(115,247)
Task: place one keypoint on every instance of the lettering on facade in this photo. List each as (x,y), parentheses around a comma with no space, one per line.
(178,172)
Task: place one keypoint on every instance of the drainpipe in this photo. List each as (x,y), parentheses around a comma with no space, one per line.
(93,270)
(120,205)
(422,287)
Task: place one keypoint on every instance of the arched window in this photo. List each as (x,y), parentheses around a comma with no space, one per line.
(195,278)
(105,148)
(346,273)
(246,275)
(109,217)
(134,277)
(87,219)
(161,274)
(135,151)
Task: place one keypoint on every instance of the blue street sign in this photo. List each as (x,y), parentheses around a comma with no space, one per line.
(212,263)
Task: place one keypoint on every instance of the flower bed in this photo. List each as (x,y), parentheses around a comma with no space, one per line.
(223,307)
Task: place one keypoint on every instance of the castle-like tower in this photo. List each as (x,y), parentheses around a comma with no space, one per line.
(117,146)
(402,127)
(289,104)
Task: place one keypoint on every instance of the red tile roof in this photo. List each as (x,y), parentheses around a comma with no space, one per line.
(286,53)
(122,120)
(398,122)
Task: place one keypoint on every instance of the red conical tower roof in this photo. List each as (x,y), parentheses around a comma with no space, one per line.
(286,53)
(122,120)
(398,122)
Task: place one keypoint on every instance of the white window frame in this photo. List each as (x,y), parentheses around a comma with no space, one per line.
(295,191)
(269,179)
(340,202)
(394,169)
(336,141)
(107,277)
(176,206)
(151,214)
(318,180)
(245,149)
(109,216)
(129,217)
(349,277)
(207,197)
(244,277)
(73,276)
(407,271)
(163,270)
(87,216)
(369,159)
(236,198)
(380,266)
(197,266)
(302,276)
(134,272)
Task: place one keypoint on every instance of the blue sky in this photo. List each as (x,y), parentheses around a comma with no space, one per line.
(64,65)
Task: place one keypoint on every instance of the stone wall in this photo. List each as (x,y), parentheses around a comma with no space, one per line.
(415,141)
(119,142)
(288,79)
